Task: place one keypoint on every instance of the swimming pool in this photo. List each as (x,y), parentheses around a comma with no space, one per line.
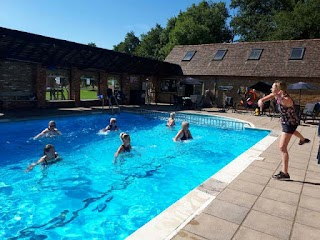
(85,195)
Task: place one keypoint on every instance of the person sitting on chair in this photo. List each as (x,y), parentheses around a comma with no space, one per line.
(251,98)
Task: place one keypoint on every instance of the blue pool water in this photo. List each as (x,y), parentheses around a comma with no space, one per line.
(87,196)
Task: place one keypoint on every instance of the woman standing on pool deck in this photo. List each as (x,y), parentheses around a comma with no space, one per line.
(49,156)
(184,133)
(50,131)
(289,122)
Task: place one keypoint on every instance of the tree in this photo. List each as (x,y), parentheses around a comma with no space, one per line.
(92,44)
(303,22)
(255,18)
(200,24)
(164,38)
(151,44)
(203,23)
(260,20)
(129,45)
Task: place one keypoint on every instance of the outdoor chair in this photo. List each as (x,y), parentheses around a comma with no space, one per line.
(228,103)
(310,112)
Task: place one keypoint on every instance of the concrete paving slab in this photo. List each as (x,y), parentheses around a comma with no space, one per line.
(301,232)
(211,227)
(275,208)
(227,211)
(245,233)
(281,195)
(268,224)
(308,217)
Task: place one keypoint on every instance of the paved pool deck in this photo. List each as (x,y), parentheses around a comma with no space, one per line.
(242,201)
(256,206)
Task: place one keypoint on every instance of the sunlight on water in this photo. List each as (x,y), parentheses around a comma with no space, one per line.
(87,196)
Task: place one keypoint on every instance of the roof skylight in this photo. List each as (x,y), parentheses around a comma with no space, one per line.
(297,53)
(255,54)
(220,54)
(189,55)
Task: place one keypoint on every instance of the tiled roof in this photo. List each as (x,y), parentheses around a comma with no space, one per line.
(274,61)
(53,52)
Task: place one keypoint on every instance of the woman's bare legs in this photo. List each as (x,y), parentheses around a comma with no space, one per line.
(283,146)
(298,135)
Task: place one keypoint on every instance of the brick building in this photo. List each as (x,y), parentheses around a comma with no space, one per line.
(41,72)
(246,63)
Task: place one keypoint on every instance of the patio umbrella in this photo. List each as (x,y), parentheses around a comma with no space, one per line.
(299,86)
(191,81)
(262,87)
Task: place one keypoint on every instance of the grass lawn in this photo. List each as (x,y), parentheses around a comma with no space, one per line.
(88,94)
(84,94)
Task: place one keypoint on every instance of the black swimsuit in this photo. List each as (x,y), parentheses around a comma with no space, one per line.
(46,163)
(126,148)
(111,128)
(184,137)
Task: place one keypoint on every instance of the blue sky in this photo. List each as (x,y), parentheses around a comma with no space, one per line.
(104,22)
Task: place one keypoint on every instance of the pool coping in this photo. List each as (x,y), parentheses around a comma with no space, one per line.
(173,219)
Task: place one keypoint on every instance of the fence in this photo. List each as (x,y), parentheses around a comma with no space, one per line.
(218,122)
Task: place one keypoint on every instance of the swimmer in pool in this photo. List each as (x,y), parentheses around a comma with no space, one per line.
(49,156)
(125,146)
(171,122)
(112,126)
(50,131)
(184,133)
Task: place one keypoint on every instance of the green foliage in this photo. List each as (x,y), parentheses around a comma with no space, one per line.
(205,23)
(129,45)
(255,20)
(303,22)
(200,24)
(150,44)
(92,44)
(260,20)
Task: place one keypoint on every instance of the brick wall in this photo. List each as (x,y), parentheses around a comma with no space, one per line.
(17,76)
(17,84)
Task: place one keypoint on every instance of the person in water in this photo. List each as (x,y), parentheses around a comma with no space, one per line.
(184,133)
(171,122)
(112,126)
(50,131)
(125,146)
(49,156)
(289,123)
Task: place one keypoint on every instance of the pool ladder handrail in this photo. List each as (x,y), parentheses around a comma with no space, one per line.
(111,105)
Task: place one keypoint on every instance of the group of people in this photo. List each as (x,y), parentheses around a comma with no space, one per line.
(51,156)
(49,153)
(184,133)
(289,123)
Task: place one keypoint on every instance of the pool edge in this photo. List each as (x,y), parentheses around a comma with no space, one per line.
(169,222)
